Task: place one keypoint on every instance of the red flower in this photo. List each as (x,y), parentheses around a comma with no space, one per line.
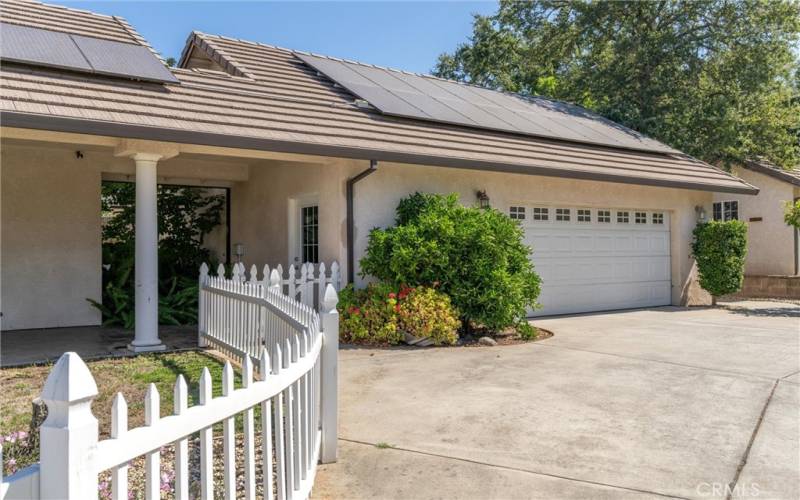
(392,295)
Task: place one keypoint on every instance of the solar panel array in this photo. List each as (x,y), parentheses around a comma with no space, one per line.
(422,97)
(23,44)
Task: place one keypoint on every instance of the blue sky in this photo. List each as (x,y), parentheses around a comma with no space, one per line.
(403,35)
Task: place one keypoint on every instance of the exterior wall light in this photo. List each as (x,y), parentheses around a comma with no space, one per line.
(483,199)
(701,213)
(238,251)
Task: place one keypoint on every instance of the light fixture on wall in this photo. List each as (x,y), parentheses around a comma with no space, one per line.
(701,213)
(483,199)
(238,251)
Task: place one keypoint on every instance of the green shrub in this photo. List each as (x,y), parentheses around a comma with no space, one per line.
(720,249)
(379,315)
(426,313)
(368,316)
(792,214)
(475,256)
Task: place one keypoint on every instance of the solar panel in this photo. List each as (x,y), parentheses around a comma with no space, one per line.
(35,46)
(23,44)
(428,98)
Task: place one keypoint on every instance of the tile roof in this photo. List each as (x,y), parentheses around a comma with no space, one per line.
(273,101)
(792,176)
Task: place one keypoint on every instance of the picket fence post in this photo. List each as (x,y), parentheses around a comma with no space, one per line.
(201,307)
(69,434)
(329,318)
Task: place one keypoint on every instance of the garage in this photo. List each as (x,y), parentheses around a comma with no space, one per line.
(597,259)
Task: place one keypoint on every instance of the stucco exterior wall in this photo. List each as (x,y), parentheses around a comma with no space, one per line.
(50,226)
(263,207)
(378,195)
(770,242)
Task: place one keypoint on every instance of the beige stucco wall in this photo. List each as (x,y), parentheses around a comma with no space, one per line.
(379,194)
(770,242)
(262,206)
(50,233)
(50,226)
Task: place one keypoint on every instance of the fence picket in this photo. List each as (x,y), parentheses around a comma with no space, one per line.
(266,431)
(249,435)
(119,426)
(206,442)
(181,404)
(228,437)
(152,413)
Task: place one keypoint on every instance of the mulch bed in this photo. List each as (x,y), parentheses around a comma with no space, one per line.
(504,338)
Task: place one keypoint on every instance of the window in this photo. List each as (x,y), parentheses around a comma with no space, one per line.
(726,210)
(517,213)
(541,213)
(657,218)
(584,215)
(640,217)
(310,233)
(623,217)
(604,216)
(563,214)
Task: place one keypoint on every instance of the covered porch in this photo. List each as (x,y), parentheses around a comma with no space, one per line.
(51,252)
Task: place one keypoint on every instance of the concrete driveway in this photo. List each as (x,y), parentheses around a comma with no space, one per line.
(665,402)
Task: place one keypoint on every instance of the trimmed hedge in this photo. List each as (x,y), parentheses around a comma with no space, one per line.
(720,249)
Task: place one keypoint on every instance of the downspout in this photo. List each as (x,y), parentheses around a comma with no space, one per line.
(351,183)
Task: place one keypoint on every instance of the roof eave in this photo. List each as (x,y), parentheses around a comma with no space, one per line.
(772,172)
(111,129)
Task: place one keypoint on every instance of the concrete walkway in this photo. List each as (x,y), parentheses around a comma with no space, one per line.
(22,347)
(667,402)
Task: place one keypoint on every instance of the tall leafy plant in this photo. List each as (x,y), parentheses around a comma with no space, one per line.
(186,215)
(720,249)
(475,256)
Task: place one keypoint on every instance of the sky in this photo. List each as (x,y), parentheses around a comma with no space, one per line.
(403,35)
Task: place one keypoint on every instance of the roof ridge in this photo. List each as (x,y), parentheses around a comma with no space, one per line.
(64,7)
(217,54)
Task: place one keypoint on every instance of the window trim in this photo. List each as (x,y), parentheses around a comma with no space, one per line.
(566,212)
(725,210)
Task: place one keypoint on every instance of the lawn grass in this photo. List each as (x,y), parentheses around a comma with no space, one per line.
(130,376)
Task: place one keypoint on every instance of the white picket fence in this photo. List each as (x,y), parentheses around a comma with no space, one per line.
(305,282)
(296,389)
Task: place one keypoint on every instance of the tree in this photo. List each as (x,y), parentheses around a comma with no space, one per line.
(475,256)
(792,214)
(720,249)
(714,78)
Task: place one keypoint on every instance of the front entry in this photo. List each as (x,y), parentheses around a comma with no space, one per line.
(304,224)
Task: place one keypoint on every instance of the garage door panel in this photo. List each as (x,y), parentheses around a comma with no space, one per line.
(600,265)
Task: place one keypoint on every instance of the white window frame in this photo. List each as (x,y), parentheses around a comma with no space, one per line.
(725,210)
(517,212)
(568,214)
(602,213)
(547,212)
(638,217)
(623,213)
(657,216)
(587,212)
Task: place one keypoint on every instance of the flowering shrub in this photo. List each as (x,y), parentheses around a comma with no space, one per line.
(426,313)
(379,314)
(369,316)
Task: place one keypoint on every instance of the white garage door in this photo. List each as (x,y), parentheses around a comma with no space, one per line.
(597,259)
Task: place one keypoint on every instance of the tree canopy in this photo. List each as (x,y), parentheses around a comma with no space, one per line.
(716,79)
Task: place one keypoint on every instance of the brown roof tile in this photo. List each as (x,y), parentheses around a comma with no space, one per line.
(278,103)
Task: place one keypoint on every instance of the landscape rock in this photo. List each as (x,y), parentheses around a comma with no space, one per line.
(487,341)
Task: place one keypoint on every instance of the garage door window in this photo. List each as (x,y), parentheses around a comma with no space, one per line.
(541,214)
(563,214)
(623,217)
(641,218)
(517,213)
(604,216)
(584,215)
(658,218)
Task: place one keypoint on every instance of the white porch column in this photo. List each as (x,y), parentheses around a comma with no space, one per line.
(146,263)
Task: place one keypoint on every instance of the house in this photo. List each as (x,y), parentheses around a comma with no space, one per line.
(315,151)
(773,257)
